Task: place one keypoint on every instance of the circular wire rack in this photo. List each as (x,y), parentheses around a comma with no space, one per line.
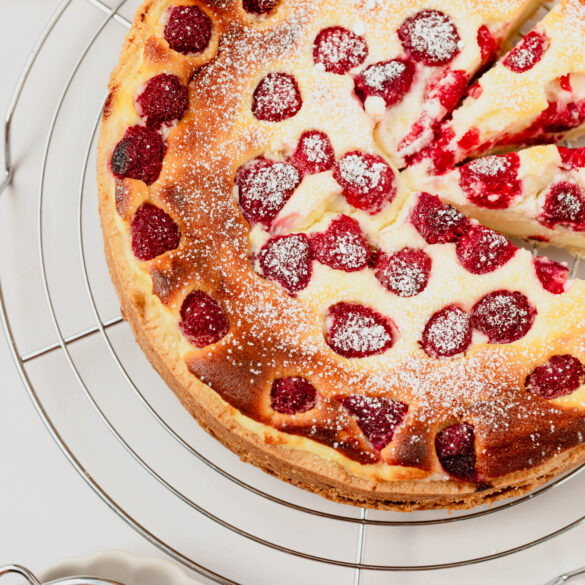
(318,521)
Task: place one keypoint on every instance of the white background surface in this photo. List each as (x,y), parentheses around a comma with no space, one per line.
(47,512)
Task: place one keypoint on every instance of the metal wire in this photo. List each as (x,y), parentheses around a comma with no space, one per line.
(359,565)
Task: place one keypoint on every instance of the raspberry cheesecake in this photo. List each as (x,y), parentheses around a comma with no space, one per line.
(537,193)
(363,332)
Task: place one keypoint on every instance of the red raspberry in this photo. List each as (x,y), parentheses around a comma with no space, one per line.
(356,331)
(527,53)
(287,259)
(153,232)
(163,99)
(339,50)
(367,181)
(560,376)
(564,204)
(342,246)
(552,275)
(292,395)
(431,37)
(503,316)
(314,153)
(276,98)
(447,333)
(377,418)
(389,80)
(259,6)
(188,29)
(482,250)
(139,155)
(405,273)
(203,321)
(437,222)
(455,447)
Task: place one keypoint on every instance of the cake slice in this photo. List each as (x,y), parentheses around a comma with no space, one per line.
(536,193)
(535,94)
(438,52)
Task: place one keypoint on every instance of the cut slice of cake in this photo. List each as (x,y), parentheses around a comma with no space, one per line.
(436,55)
(536,193)
(534,94)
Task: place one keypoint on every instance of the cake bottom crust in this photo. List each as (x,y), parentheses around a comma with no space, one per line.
(301,468)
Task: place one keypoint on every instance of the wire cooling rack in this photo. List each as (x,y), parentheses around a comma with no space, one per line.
(121,428)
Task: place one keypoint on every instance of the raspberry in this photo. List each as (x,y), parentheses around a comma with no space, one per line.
(356,331)
(503,316)
(449,88)
(431,37)
(342,246)
(559,376)
(314,153)
(163,99)
(389,80)
(264,188)
(377,418)
(292,395)
(203,321)
(492,181)
(338,50)
(287,259)
(572,158)
(259,6)
(487,45)
(139,155)
(276,98)
(564,204)
(153,232)
(188,29)
(482,250)
(405,273)
(455,448)
(447,332)
(527,53)
(366,179)
(552,275)
(437,222)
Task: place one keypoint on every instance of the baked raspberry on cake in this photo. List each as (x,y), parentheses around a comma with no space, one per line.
(363,332)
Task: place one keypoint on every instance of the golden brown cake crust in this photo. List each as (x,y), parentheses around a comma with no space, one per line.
(197,191)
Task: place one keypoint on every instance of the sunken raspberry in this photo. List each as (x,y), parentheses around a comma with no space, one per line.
(264,188)
(504,316)
(389,80)
(405,273)
(437,222)
(482,250)
(259,6)
(564,204)
(449,88)
(492,181)
(377,418)
(342,246)
(431,37)
(139,155)
(314,153)
(338,50)
(203,321)
(163,99)
(527,53)
(487,45)
(188,29)
(153,232)
(455,448)
(276,98)
(447,332)
(552,275)
(572,158)
(367,180)
(355,331)
(559,376)
(287,259)
(292,395)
